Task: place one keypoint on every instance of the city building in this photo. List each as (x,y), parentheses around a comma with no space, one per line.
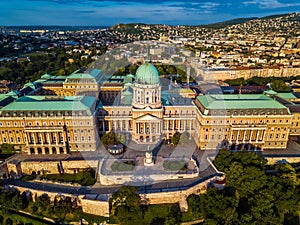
(50,124)
(60,114)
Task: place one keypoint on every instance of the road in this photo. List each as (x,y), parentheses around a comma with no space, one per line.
(101,189)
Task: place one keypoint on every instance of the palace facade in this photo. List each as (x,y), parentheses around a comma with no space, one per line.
(63,114)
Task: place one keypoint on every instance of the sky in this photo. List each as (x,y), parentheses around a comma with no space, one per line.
(110,12)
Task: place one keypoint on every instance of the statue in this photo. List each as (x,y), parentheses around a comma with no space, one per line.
(148,158)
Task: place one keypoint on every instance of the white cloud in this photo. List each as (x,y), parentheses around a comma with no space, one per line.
(209,5)
(270,4)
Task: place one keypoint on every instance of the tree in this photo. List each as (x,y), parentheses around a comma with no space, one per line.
(184,138)
(247,181)
(175,138)
(221,206)
(7,149)
(110,139)
(125,205)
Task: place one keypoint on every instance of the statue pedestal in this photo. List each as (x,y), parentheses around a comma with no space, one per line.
(148,161)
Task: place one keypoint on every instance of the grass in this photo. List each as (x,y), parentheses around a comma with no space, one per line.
(28,178)
(175,165)
(84,178)
(18,219)
(123,166)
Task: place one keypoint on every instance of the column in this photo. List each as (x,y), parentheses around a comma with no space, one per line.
(27,138)
(103,126)
(251,132)
(190,125)
(244,136)
(257,136)
(33,137)
(238,136)
(230,137)
(41,137)
(48,138)
(144,124)
(56,141)
(264,134)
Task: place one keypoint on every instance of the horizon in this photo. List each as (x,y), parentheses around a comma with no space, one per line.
(112,12)
(56,25)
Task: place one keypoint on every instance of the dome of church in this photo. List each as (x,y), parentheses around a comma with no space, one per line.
(147,74)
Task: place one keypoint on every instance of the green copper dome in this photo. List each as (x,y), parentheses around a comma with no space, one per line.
(147,74)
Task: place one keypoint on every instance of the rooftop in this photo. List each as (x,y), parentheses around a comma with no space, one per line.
(236,101)
(51,103)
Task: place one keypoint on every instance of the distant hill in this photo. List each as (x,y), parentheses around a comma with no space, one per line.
(131,27)
(128,28)
(289,16)
(229,23)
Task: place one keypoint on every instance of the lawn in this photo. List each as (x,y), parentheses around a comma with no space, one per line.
(175,165)
(123,166)
(84,178)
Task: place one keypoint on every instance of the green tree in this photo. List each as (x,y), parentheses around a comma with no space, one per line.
(110,138)
(7,149)
(175,138)
(279,85)
(125,205)
(184,138)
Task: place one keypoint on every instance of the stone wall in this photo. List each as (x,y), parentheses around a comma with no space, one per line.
(54,167)
(95,207)
(274,160)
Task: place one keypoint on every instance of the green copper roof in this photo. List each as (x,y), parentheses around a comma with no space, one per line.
(147,74)
(30,84)
(88,74)
(270,92)
(46,76)
(236,101)
(287,96)
(51,103)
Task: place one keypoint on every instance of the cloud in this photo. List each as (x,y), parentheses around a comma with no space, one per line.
(269,4)
(209,5)
(85,11)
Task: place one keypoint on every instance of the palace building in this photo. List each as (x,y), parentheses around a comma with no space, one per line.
(63,114)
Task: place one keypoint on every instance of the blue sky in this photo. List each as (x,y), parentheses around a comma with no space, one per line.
(96,12)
